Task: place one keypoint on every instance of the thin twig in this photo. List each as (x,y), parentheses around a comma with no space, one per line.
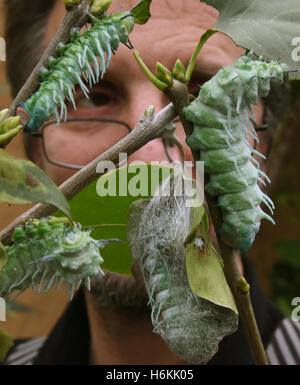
(149,128)
(243,303)
(77,17)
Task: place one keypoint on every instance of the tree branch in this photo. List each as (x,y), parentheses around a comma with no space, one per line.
(148,128)
(243,303)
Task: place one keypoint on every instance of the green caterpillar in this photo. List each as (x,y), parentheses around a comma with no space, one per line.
(46,253)
(220,119)
(65,72)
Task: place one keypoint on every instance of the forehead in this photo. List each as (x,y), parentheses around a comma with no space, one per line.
(172,32)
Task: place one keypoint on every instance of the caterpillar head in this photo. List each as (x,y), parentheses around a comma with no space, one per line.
(23,114)
(74,240)
(78,251)
(31,122)
(128,20)
(73,254)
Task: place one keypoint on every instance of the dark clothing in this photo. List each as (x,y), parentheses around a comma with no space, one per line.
(68,343)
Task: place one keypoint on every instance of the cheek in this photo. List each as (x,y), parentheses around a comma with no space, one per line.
(152,151)
(36,152)
(58,174)
(258,112)
(180,133)
(155,151)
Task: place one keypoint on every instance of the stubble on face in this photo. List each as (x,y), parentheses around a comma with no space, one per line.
(120,293)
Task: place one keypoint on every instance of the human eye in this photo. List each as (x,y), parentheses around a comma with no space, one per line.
(96,99)
(101,102)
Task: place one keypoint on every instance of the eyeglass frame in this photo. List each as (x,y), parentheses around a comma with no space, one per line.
(69,165)
(262,127)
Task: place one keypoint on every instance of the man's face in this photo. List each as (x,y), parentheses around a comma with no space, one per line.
(172,32)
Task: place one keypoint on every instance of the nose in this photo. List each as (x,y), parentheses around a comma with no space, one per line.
(144,95)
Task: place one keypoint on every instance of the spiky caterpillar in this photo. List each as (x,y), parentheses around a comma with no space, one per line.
(220,119)
(46,253)
(65,72)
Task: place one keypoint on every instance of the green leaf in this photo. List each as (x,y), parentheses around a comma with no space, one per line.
(178,71)
(141,12)
(204,266)
(9,128)
(107,215)
(21,181)
(266,27)
(98,7)
(6,342)
(164,74)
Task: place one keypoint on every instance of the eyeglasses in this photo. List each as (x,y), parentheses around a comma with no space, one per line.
(91,135)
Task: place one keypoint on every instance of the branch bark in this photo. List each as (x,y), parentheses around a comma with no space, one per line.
(148,128)
(243,303)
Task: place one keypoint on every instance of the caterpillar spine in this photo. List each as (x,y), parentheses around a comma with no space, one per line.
(220,118)
(74,62)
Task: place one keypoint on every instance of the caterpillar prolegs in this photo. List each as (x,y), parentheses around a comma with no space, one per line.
(220,118)
(46,253)
(65,72)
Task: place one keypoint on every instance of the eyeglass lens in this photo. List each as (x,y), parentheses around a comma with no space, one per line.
(88,138)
